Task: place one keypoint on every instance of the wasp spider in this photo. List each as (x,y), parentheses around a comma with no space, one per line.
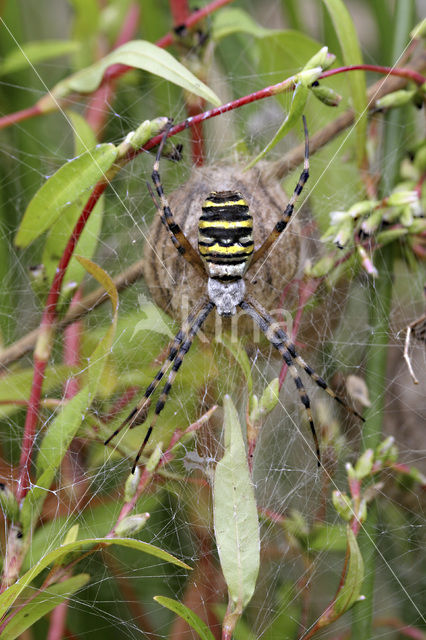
(225,253)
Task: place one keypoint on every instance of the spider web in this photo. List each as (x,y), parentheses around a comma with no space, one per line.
(333,337)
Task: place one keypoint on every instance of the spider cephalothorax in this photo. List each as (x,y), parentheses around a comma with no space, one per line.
(225,253)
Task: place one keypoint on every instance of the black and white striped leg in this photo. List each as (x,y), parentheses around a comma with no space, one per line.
(180,241)
(288,211)
(183,350)
(267,328)
(279,339)
(283,337)
(138,415)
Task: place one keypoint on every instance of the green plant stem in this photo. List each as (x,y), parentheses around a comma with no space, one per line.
(380,300)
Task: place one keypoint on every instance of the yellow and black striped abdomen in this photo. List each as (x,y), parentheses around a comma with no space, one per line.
(225,235)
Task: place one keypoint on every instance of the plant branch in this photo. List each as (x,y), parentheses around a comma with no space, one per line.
(115,70)
(291,160)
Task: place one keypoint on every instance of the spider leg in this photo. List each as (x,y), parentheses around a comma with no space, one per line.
(180,241)
(266,325)
(288,211)
(139,413)
(283,337)
(183,350)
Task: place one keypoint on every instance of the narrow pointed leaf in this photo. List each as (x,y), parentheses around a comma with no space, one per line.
(32,53)
(186,614)
(42,604)
(138,54)
(60,232)
(8,597)
(235,515)
(99,356)
(234,20)
(294,116)
(72,181)
(350,591)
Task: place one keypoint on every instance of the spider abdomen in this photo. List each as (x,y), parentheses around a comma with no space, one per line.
(225,235)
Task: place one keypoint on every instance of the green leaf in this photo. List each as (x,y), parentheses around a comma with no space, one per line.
(233,20)
(72,181)
(56,241)
(300,95)
(186,614)
(53,447)
(351,53)
(350,591)
(60,433)
(235,515)
(8,597)
(42,604)
(31,53)
(103,349)
(138,54)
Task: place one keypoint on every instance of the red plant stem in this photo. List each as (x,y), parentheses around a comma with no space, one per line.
(195,17)
(96,111)
(18,116)
(180,12)
(30,427)
(58,621)
(197,138)
(72,338)
(194,105)
(40,362)
(389,71)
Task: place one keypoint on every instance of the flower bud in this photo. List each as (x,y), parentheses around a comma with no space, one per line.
(367,263)
(270,397)
(387,451)
(395,99)
(8,503)
(154,458)
(307,76)
(131,525)
(131,484)
(401,198)
(322,59)
(364,464)
(344,234)
(326,95)
(385,237)
(362,208)
(343,505)
(419,30)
